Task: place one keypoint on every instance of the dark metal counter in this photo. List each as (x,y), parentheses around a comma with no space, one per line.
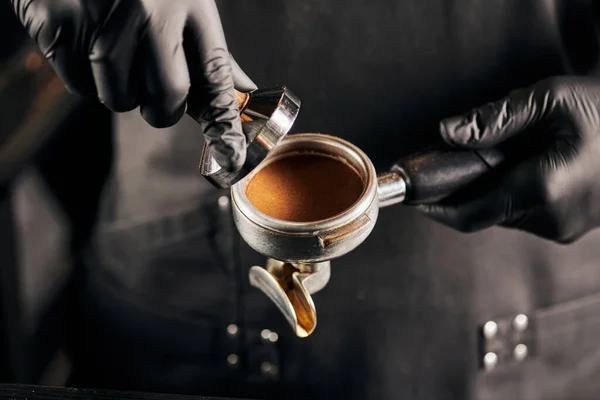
(22,392)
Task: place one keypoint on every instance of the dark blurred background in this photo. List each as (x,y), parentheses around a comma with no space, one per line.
(42,135)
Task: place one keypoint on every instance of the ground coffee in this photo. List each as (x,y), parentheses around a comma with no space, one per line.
(304,188)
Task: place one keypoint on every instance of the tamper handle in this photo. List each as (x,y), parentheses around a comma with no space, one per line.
(434,175)
(241,98)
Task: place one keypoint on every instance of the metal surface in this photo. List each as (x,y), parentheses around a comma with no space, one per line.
(391,188)
(30,392)
(266,119)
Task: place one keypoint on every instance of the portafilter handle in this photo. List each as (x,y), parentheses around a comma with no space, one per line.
(431,176)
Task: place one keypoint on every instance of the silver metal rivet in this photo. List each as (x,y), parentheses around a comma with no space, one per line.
(273,337)
(521,322)
(233,359)
(490,329)
(268,369)
(265,333)
(490,360)
(232,329)
(223,201)
(520,352)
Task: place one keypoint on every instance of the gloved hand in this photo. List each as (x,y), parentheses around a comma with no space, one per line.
(160,55)
(554,192)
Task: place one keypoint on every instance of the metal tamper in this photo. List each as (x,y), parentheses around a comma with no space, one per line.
(267,116)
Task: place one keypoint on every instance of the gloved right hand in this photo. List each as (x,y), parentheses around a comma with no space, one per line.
(550,188)
(160,55)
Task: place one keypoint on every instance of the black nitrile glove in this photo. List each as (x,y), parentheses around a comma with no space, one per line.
(160,55)
(553,192)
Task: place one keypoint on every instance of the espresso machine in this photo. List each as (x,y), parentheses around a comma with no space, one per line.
(299,254)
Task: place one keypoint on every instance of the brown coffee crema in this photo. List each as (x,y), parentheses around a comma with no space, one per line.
(304,187)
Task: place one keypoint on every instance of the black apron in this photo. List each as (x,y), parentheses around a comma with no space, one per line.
(402,315)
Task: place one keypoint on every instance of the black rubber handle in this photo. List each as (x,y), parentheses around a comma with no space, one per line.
(434,175)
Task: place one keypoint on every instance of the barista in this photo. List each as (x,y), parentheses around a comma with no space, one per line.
(397,323)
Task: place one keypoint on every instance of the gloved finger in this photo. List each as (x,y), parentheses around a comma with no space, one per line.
(241,81)
(112,55)
(539,222)
(58,28)
(474,210)
(554,217)
(166,79)
(212,81)
(498,121)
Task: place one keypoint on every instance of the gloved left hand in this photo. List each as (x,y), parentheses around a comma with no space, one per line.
(160,55)
(553,193)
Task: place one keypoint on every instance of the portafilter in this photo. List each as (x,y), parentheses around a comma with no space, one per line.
(299,254)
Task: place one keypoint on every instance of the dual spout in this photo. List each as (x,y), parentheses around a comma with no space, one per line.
(290,286)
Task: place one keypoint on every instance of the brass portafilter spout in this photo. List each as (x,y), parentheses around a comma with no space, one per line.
(290,287)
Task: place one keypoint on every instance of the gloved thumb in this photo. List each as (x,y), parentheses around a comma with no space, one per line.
(241,81)
(495,122)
